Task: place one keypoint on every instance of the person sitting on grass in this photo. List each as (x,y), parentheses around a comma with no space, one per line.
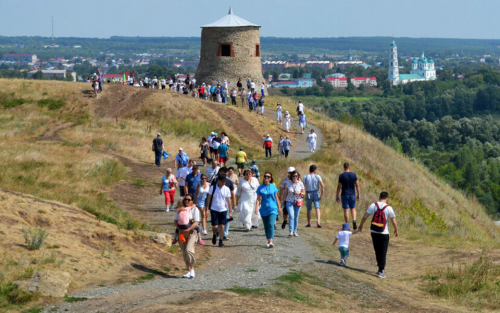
(343,238)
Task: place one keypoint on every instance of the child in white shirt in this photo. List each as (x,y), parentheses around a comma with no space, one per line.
(343,238)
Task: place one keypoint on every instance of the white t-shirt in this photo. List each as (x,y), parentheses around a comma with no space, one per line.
(163,81)
(182,173)
(210,138)
(278,108)
(389,213)
(300,107)
(195,215)
(212,173)
(252,85)
(343,237)
(312,137)
(219,200)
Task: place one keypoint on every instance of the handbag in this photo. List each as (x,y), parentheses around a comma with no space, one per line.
(299,202)
(165,155)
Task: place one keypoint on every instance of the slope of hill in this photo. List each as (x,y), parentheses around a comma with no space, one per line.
(102,146)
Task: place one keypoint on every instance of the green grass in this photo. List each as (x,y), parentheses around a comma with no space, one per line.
(34,310)
(51,104)
(73,299)
(476,286)
(148,276)
(246,291)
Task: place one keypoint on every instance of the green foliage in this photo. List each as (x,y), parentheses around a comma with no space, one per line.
(247,291)
(73,299)
(11,294)
(416,212)
(477,285)
(52,104)
(394,143)
(34,237)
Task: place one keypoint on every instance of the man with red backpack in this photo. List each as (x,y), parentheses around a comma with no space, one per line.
(381,212)
(268,144)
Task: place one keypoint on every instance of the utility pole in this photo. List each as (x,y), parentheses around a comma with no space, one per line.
(52,31)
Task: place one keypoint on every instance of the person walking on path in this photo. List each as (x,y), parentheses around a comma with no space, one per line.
(268,144)
(250,101)
(381,212)
(101,77)
(216,141)
(279,117)
(210,144)
(261,106)
(95,85)
(349,184)
(223,148)
(312,138)
(249,83)
(186,219)
(239,85)
(288,121)
(193,179)
(204,151)
(294,192)
(246,196)
(314,193)
(219,202)
(300,108)
(168,184)
(302,122)
(268,205)
(255,169)
(284,183)
(280,147)
(201,200)
(241,160)
(158,148)
(229,184)
(252,86)
(231,175)
(343,238)
(213,171)
(181,159)
(286,146)
(182,174)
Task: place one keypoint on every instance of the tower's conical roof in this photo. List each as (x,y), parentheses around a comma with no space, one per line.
(231,20)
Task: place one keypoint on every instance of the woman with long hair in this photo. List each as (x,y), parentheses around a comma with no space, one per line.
(168,184)
(187,218)
(201,199)
(247,195)
(204,150)
(294,192)
(268,204)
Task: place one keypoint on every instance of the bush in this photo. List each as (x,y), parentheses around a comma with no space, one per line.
(52,104)
(35,237)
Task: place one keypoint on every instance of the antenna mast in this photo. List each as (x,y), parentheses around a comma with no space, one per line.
(52,30)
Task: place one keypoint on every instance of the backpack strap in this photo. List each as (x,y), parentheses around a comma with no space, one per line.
(381,209)
(212,199)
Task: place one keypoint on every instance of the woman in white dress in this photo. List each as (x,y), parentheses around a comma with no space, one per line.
(247,196)
(288,121)
(278,114)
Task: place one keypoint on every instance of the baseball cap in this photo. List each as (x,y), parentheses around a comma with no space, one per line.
(346,226)
(286,111)
(215,134)
(291,169)
(158,134)
(181,148)
(241,148)
(267,135)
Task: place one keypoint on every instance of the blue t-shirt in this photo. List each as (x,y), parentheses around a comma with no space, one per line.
(348,181)
(223,150)
(302,118)
(184,158)
(286,144)
(254,169)
(268,205)
(193,182)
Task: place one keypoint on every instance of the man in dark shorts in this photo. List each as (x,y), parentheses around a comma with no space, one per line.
(349,184)
(219,202)
(229,184)
(158,148)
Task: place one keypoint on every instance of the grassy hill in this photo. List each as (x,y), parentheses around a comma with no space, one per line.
(59,143)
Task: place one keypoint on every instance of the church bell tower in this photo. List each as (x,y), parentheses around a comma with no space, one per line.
(393,64)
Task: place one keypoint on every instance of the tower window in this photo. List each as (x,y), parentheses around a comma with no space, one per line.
(391,63)
(257,50)
(225,50)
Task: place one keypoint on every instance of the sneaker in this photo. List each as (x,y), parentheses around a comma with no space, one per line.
(254,226)
(283,225)
(344,262)
(204,232)
(267,245)
(188,275)
(225,238)
(221,244)
(192,274)
(174,241)
(319,226)
(247,230)
(381,274)
(168,209)
(295,235)
(308,225)
(201,242)
(214,239)
(354,225)
(341,263)
(271,245)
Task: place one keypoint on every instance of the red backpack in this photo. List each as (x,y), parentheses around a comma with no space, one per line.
(379,221)
(268,144)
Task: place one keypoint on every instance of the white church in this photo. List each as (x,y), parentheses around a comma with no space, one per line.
(421,69)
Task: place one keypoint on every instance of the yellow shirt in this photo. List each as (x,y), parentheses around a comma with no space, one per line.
(240,157)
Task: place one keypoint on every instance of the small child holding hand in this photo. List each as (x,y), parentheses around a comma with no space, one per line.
(343,238)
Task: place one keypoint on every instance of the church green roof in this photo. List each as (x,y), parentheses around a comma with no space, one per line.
(409,76)
(415,60)
(393,44)
(431,60)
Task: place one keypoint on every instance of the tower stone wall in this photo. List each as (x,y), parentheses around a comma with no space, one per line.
(244,64)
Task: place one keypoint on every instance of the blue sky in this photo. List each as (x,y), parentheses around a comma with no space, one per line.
(280,18)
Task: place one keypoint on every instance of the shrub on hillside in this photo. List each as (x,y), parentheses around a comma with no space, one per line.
(35,237)
(52,104)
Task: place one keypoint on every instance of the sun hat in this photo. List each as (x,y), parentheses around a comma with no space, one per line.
(346,226)
(286,111)
(291,169)
(267,135)
(181,149)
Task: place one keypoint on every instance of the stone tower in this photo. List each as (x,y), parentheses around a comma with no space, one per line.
(230,49)
(393,65)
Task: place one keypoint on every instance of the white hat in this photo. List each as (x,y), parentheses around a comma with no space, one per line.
(213,133)
(180,149)
(291,169)
(267,135)
(158,134)
(286,111)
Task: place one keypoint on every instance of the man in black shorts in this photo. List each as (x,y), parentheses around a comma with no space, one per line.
(219,202)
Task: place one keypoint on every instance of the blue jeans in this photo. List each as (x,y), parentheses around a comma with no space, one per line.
(312,198)
(293,216)
(268,222)
(157,158)
(255,105)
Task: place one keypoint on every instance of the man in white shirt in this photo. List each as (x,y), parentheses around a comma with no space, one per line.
(312,138)
(210,144)
(381,239)
(252,86)
(314,185)
(218,202)
(300,108)
(213,171)
(181,175)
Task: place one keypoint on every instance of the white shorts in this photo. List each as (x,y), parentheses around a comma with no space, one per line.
(303,125)
(278,116)
(312,145)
